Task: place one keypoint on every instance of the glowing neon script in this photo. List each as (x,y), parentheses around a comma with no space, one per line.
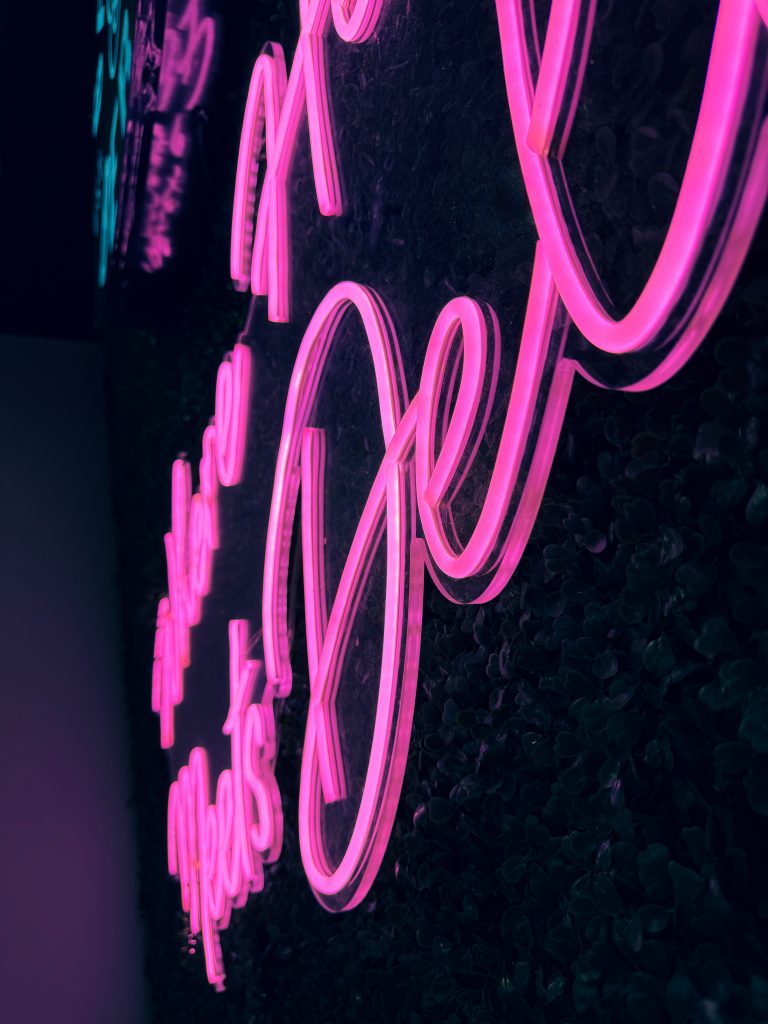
(683,296)
(259,253)
(194,534)
(409,435)
(117,47)
(431,444)
(189,42)
(218,850)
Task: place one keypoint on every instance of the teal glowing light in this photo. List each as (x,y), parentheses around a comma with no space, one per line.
(109,121)
(98,95)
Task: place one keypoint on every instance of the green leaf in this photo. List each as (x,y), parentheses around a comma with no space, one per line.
(716,637)
(440,810)
(754,725)
(686,883)
(756,783)
(658,656)
(607,896)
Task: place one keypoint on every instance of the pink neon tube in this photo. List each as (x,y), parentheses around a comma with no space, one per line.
(731,69)
(301,457)
(276,104)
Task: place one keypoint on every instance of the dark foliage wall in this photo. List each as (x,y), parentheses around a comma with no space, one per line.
(581,834)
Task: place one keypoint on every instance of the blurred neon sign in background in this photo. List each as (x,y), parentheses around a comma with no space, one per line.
(153,74)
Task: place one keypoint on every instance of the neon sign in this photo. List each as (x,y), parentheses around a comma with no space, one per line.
(189,44)
(194,535)
(276,104)
(164,75)
(431,440)
(218,850)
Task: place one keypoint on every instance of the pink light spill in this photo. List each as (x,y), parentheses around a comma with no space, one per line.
(491,554)
(194,534)
(259,254)
(218,850)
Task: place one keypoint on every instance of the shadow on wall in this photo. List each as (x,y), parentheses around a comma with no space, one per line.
(71,947)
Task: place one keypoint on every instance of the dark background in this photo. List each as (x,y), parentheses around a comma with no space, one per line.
(581,833)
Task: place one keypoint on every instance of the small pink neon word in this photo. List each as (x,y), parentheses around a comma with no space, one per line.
(189,41)
(218,850)
(684,292)
(166,179)
(432,442)
(194,534)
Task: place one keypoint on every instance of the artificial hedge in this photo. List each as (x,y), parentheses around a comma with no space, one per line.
(581,834)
